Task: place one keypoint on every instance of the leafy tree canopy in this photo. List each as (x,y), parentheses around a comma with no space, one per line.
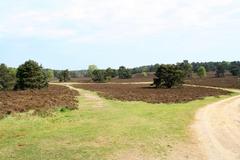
(91,68)
(168,76)
(64,76)
(98,76)
(7,77)
(31,75)
(124,73)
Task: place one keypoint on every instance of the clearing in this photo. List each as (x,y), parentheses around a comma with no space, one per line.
(115,131)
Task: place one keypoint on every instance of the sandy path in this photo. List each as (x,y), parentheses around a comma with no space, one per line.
(217,129)
(89,97)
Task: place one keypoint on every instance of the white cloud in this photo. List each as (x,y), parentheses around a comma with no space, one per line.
(93,20)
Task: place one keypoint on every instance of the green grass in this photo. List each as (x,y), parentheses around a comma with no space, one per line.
(111,132)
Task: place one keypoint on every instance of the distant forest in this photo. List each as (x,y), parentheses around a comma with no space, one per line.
(233,67)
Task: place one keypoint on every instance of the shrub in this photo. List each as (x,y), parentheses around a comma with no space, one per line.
(7,78)
(30,75)
(145,74)
(124,73)
(201,72)
(168,76)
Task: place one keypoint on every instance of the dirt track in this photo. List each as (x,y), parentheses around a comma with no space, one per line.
(95,100)
(217,128)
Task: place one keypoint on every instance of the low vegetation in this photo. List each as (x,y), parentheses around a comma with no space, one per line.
(142,92)
(40,101)
(228,81)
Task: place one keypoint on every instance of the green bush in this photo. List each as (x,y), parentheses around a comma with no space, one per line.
(30,75)
(201,72)
(145,74)
(7,78)
(168,76)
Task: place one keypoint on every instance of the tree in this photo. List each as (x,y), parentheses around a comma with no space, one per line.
(155,67)
(30,75)
(186,68)
(98,76)
(50,74)
(168,76)
(201,72)
(235,68)
(220,70)
(124,73)
(7,78)
(13,71)
(64,76)
(110,73)
(91,68)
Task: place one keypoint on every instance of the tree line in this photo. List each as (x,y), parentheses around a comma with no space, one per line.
(100,75)
(220,67)
(31,75)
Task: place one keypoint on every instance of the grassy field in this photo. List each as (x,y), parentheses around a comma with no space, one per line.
(117,130)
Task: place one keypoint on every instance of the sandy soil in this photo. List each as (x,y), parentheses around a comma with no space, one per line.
(217,129)
(95,100)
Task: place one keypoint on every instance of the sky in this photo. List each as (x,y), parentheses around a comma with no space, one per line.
(73,34)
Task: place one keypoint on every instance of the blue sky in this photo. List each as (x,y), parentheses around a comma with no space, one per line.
(72,34)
